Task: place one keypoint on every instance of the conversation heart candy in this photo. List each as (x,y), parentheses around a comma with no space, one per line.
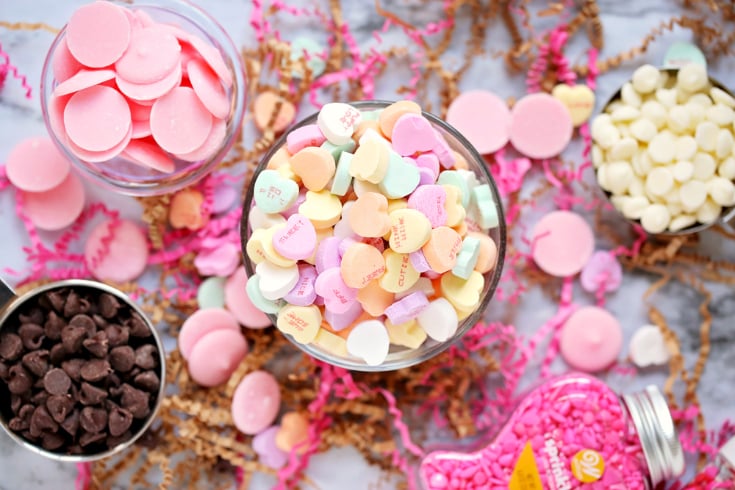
(399,272)
(463,293)
(308,135)
(337,122)
(322,208)
(314,166)
(578,99)
(300,322)
(456,212)
(374,298)
(264,445)
(304,292)
(255,295)
(430,199)
(438,319)
(332,343)
(456,179)
(400,179)
(257,218)
(408,334)
(338,296)
(275,281)
(369,341)
(297,239)
(370,161)
(648,347)
(467,257)
(237,301)
(340,321)
(361,264)
(327,254)
(369,215)
(413,134)
(273,193)
(390,115)
(442,248)
(602,271)
(294,433)
(407,308)
(409,230)
(268,250)
(342,178)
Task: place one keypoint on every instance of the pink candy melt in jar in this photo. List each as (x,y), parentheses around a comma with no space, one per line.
(148,103)
(571,432)
(373,235)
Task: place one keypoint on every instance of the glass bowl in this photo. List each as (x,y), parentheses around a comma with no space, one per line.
(120,174)
(399,357)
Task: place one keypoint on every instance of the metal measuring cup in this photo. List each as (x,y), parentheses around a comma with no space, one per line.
(727,216)
(10,303)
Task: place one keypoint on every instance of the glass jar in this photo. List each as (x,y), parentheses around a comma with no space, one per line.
(398,357)
(571,432)
(120,173)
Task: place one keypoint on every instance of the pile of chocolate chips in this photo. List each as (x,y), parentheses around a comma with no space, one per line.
(79,371)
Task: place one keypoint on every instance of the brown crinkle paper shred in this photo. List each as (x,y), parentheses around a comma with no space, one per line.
(194,444)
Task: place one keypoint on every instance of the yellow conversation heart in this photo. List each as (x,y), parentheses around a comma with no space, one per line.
(270,253)
(300,322)
(323,208)
(370,161)
(409,334)
(453,205)
(254,247)
(463,294)
(410,229)
(579,101)
(332,343)
(400,274)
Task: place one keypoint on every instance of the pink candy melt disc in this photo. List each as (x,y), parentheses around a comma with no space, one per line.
(540,126)
(215,357)
(483,118)
(98,34)
(35,165)
(57,208)
(116,251)
(153,54)
(562,243)
(238,302)
(591,339)
(179,121)
(97,118)
(208,88)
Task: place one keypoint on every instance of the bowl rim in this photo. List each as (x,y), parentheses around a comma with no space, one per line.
(466,324)
(8,309)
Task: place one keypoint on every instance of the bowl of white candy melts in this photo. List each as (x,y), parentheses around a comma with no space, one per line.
(663,150)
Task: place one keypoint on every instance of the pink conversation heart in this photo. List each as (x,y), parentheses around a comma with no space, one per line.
(338,296)
(303,293)
(602,272)
(340,321)
(220,261)
(413,134)
(327,254)
(430,162)
(430,200)
(297,240)
(295,208)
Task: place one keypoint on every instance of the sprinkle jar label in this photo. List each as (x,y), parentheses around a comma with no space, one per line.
(588,465)
(525,474)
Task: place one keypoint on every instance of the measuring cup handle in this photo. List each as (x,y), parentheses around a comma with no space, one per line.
(6,294)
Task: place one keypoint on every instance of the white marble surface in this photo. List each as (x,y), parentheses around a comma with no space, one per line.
(625,23)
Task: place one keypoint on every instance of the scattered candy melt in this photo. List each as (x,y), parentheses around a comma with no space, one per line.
(239,304)
(562,243)
(331,259)
(58,207)
(201,323)
(36,165)
(541,126)
(116,251)
(483,118)
(591,339)
(216,355)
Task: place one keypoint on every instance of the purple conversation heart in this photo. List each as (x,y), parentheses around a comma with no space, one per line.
(338,296)
(327,254)
(303,293)
(340,321)
(406,309)
(265,445)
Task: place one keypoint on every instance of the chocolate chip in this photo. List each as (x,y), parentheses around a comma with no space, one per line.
(3,371)
(120,421)
(113,441)
(41,421)
(57,354)
(52,441)
(149,439)
(138,326)
(91,395)
(89,438)
(99,321)
(117,335)
(136,401)
(36,362)
(144,356)
(59,407)
(17,424)
(57,298)
(34,315)
(39,398)
(112,380)
(109,305)
(19,379)
(84,321)
(27,435)
(73,368)
(122,358)
(93,419)
(71,424)
(97,345)
(11,347)
(26,411)
(72,337)
(75,449)
(53,326)
(71,305)
(31,335)
(95,370)
(15,402)
(57,382)
(148,381)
